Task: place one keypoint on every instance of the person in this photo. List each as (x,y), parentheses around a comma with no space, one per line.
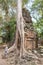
(6,51)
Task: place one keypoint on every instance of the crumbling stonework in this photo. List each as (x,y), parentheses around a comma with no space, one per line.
(29,33)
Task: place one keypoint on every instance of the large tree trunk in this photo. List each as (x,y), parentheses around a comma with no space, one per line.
(19,14)
(20,28)
(20,25)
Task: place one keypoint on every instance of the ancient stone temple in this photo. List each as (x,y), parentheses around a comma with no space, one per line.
(29,43)
(29,39)
(29,33)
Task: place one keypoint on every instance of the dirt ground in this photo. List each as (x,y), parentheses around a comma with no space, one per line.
(2,61)
(13,60)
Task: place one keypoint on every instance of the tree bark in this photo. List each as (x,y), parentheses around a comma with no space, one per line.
(20,28)
(20,25)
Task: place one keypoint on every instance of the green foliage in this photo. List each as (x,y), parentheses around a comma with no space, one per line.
(11,2)
(8,30)
(38,7)
(25,1)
